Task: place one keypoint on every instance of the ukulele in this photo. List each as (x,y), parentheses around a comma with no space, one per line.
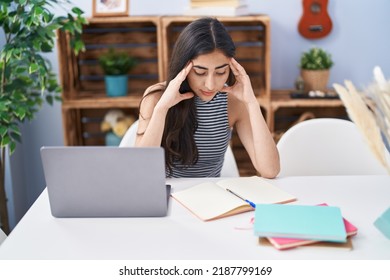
(315,22)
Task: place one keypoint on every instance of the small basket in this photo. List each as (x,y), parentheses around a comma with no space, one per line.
(315,79)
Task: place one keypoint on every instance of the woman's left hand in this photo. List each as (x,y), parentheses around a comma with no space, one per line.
(242,88)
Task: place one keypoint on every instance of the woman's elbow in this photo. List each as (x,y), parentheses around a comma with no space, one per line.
(269,172)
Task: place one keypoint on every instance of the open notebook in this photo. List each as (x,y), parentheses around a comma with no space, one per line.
(211,200)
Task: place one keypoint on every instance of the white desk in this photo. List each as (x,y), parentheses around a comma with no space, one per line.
(181,235)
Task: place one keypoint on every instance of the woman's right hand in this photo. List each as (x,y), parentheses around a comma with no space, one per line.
(171,95)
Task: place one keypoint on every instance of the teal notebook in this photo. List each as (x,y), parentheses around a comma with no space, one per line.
(299,221)
(383,223)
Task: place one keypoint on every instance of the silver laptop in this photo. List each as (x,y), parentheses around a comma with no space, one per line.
(87,181)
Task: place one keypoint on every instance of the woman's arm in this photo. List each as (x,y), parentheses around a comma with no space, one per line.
(250,124)
(154,109)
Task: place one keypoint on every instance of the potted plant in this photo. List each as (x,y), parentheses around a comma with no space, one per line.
(26,77)
(315,65)
(115,66)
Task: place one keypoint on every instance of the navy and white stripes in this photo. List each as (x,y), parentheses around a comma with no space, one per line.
(211,137)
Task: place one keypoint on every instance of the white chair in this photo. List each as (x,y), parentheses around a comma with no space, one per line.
(3,236)
(326,147)
(229,168)
(128,139)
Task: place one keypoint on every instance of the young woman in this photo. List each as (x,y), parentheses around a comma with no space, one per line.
(206,95)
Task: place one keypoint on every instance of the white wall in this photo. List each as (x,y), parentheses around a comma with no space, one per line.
(359,41)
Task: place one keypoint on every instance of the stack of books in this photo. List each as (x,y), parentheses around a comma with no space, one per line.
(217,8)
(290,226)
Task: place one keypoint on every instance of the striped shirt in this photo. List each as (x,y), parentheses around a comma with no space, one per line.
(211,137)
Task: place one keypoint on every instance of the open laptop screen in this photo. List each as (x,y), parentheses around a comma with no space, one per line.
(99,181)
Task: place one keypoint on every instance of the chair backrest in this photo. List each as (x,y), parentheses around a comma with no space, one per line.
(326,146)
(3,236)
(229,168)
(128,139)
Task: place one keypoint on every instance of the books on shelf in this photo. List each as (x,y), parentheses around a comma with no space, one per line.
(287,243)
(300,221)
(217,3)
(217,11)
(211,200)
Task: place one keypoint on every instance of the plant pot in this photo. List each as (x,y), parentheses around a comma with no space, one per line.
(112,139)
(315,79)
(116,85)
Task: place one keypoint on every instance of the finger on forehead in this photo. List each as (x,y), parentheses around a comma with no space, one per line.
(237,65)
(187,69)
(233,63)
(188,66)
(184,72)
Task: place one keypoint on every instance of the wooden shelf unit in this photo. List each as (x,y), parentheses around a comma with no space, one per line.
(84,99)
(150,39)
(82,77)
(281,101)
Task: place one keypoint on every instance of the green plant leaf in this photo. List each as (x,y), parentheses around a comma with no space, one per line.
(37,11)
(29,21)
(6,118)
(316,59)
(27,79)
(5,140)
(19,96)
(15,27)
(15,136)
(20,113)
(3,130)
(116,63)
(3,107)
(12,147)
(33,67)
(77,11)
(49,99)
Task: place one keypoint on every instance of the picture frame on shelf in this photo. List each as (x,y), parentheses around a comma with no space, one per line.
(110,8)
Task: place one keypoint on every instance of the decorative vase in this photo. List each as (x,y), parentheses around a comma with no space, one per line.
(315,79)
(116,85)
(112,139)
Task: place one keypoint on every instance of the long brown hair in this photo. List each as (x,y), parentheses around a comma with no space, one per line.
(201,36)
